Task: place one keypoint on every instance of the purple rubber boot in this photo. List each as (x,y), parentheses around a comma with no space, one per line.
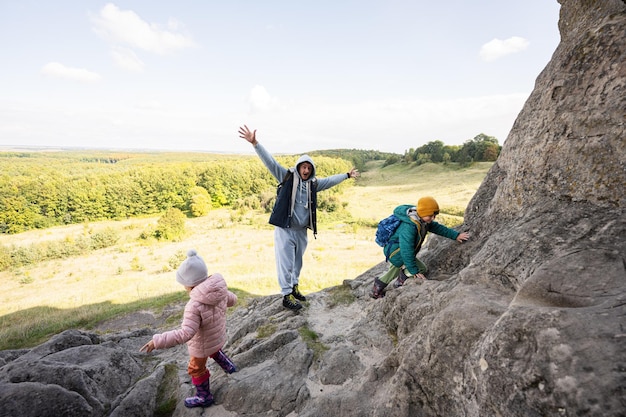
(224,361)
(203,397)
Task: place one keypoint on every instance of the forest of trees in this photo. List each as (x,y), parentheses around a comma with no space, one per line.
(42,189)
(45,189)
(359,158)
(482,148)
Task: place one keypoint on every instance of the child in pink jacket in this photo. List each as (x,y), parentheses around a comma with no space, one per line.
(203,327)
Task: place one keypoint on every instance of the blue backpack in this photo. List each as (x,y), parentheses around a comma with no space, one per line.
(385,229)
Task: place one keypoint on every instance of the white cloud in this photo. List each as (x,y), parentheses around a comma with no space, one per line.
(56,70)
(498,48)
(125,27)
(261,100)
(126,59)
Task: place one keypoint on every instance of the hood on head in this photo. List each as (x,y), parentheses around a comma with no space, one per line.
(305,158)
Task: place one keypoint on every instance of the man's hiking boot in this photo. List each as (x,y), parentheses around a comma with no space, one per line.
(378,290)
(290,302)
(297,294)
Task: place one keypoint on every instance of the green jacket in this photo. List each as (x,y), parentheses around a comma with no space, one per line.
(407,240)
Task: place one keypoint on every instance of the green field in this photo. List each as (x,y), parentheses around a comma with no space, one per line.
(43,299)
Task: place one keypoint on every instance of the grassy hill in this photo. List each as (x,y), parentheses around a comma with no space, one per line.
(380,190)
(46,298)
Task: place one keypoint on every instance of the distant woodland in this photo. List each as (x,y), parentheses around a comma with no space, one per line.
(41,189)
(45,189)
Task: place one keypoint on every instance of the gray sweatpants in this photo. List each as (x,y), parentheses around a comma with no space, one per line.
(289,246)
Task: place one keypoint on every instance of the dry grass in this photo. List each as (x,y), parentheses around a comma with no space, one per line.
(385,188)
(239,247)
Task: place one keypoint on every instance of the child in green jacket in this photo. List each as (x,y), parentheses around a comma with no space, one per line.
(406,241)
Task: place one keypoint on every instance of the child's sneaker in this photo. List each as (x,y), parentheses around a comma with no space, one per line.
(290,302)
(400,280)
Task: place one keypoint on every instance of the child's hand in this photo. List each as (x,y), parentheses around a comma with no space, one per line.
(148,347)
(462,237)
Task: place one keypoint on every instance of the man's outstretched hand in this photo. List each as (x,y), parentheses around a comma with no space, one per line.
(248,135)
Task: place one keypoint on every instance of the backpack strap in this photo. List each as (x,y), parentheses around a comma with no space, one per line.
(288,175)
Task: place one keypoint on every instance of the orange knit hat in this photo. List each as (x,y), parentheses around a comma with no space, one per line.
(427,206)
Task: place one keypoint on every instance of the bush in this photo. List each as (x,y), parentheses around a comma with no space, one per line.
(201,203)
(21,256)
(5,258)
(252,202)
(171,225)
(17,256)
(104,239)
(176,259)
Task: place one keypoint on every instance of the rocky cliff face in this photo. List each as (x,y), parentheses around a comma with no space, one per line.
(525,319)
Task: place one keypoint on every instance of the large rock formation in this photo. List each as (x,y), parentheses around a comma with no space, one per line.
(525,319)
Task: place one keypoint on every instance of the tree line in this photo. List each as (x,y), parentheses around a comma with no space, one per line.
(481,148)
(45,189)
(40,190)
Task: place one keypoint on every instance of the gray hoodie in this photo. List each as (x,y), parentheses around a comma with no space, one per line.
(300,198)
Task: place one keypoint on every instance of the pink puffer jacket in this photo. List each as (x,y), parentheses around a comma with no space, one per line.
(204,320)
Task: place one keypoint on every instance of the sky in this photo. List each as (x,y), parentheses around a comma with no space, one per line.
(387,75)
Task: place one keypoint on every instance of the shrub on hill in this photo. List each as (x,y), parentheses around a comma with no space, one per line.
(170,226)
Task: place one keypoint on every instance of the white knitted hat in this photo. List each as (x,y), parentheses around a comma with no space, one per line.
(192,271)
